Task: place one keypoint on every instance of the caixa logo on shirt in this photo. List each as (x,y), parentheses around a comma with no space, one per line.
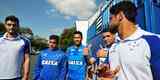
(75,62)
(49,62)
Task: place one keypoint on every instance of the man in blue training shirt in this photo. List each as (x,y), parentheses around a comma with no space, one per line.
(51,62)
(77,63)
(100,70)
(103,54)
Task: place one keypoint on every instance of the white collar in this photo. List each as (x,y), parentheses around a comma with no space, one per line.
(14,38)
(136,35)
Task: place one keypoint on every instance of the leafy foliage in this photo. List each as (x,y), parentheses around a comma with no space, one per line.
(2,28)
(27,32)
(66,38)
(38,44)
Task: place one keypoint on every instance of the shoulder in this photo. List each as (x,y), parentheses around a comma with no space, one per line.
(25,40)
(43,51)
(152,39)
(61,52)
(70,48)
(150,36)
(146,33)
(83,46)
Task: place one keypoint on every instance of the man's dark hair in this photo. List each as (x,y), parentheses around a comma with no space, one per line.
(108,29)
(127,7)
(78,32)
(55,37)
(12,18)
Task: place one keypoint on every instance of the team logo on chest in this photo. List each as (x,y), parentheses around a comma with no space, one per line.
(75,62)
(133,45)
(49,62)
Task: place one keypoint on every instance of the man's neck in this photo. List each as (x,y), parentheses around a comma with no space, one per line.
(78,45)
(126,29)
(9,35)
(56,48)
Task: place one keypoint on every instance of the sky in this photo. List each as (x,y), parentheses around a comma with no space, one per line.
(46,17)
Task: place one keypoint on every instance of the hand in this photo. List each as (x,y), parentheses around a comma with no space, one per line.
(25,78)
(101,53)
(86,50)
(106,73)
(92,60)
(104,67)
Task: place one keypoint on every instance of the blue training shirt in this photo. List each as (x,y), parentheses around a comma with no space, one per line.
(76,63)
(51,65)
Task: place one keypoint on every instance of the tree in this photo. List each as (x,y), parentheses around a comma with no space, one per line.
(66,38)
(38,44)
(2,28)
(26,31)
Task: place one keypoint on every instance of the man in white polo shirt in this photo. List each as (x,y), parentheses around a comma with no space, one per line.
(14,52)
(137,51)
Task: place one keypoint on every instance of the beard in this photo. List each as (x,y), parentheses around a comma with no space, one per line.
(11,31)
(77,43)
(113,28)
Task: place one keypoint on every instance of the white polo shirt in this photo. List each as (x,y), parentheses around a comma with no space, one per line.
(12,56)
(133,55)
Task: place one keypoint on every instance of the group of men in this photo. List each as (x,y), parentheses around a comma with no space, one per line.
(54,64)
(130,53)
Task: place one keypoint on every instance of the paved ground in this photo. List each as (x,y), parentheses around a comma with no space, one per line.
(33,59)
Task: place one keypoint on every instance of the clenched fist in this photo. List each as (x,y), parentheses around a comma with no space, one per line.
(86,51)
(101,53)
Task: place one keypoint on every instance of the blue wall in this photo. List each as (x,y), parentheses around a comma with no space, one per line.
(148,19)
